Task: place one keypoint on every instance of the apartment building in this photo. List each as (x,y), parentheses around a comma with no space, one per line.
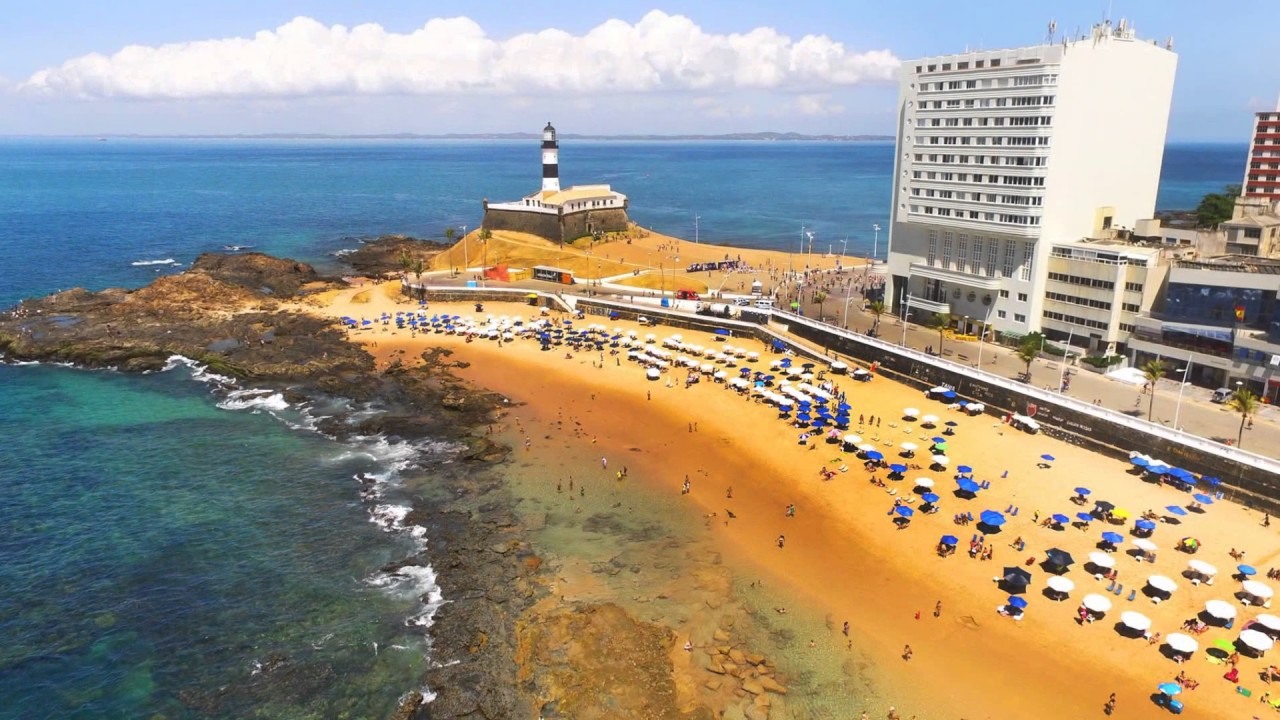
(1262,174)
(1095,289)
(1004,154)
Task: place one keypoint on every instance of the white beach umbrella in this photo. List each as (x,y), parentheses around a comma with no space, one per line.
(838,367)
(929,419)
(1144,545)
(1095,602)
(708,368)
(650,337)
(1182,643)
(775,364)
(924,482)
(720,375)
(939,389)
(909,447)
(1257,589)
(1220,609)
(1270,622)
(867,447)
(941,459)
(1102,559)
(1162,583)
(753,356)
(910,412)
(1202,567)
(653,373)
(851,439)
(677,337)
(1257,640)
(1135,620)
(1057,583)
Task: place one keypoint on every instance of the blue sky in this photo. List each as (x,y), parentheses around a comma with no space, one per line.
(709,66)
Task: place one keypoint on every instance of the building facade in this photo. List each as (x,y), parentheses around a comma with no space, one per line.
(1003,154)
(1262,174)
(1095,290)
(555,214)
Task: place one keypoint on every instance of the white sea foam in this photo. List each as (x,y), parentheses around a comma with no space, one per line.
(254,400)
(144,263)
(198,372)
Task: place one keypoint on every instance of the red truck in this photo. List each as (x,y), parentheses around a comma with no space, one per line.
(686,295)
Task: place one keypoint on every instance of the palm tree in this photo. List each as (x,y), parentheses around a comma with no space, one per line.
(1246,403)
(820,297)
(1153,371)
(406,261)
(1028,350)
(940,322)
(877,309)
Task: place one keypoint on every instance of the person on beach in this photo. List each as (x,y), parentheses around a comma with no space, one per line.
(937,609)
(1110,707)
(846,628)
(604,463)
(782,540)
(907,652)
(729,493)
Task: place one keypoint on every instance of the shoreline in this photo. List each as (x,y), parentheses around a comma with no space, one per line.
(906,579)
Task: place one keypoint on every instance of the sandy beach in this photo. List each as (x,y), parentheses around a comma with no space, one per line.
(844,559)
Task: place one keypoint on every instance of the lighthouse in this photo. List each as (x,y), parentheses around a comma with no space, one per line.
(550,160)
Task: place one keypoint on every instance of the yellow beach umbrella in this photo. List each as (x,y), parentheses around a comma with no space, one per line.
(1120,513)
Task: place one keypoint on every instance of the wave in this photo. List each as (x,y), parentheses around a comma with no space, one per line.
(254,400)
(144,263)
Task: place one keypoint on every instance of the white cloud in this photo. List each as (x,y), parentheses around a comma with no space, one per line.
(449,56)
(817,105)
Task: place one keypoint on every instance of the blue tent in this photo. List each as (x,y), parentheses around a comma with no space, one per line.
(904,511)
(968,485)
(1202,498)
(992,518)
(1018,602)
(1112,537)
(930,498)
(949,540)
(1145,525)
(1176,510)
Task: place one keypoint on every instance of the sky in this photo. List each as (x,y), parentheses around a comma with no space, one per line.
(72,67)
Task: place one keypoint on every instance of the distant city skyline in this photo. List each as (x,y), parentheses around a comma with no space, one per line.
(599,68)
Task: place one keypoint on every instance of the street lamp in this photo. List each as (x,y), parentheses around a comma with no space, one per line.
(875,243)
(809,259)
(695,228)
(466,260)
(982,334)
(844,248)
(1178,408)
(1062,371)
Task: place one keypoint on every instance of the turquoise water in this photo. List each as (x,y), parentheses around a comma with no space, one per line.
(155,547)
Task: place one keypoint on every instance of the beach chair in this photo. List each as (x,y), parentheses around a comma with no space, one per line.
(1119,589)
(1015,512)
(1110,587)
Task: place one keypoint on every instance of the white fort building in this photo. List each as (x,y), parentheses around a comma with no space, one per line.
(1003,154)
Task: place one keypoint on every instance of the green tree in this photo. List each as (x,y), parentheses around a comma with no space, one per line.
(1153,371)
(485,234)
(406,261)
(820,297)
(940,322)
(876,309)
(1216,208)
(450,233)
(1244,402)
(1028,350)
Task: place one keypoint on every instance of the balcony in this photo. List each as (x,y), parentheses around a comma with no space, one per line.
(953,277)
(918,303)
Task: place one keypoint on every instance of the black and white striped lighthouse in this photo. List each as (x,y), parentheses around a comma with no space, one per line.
(550,160)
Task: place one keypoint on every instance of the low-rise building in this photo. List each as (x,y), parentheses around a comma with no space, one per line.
(1095,289)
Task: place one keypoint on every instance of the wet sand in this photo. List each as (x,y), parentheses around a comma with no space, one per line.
(843,558)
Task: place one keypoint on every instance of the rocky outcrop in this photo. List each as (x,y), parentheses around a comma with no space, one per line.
(386,255)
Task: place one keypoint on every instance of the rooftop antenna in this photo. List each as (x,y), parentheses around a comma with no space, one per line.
(1053,29)
(1168,43)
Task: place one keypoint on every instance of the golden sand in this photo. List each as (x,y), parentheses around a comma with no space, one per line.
(843,558)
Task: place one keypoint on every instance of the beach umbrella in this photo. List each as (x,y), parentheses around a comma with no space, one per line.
(1145,525)
(1183,644)
(1096,603)
(992,518)
(1224,644)
(1202,567)
(1016,576)
(1169,688)
(930,498)
(804,417)
(951,423)
(1057,583)
(1083,491)
(1047,458)
(968,485)
(1202,499)
(1220,609)
(1018,602)
(1084,517)
(1247,570)
(1102,559)
(1256,640)
(964,470)
(1120,514)
(1058,557)
(1270,622)
(844,407)
(1112,537)
(941,459)
(904,511)
(898,468)
(949,540)
(875,455)
(851,439)
(867,447)
(1059,518)
(1174,509)
(910,412)
(1135,620)
(939,441)
(924,482)
(1139,461)
(1212,480)
(1144,545)
(909,447)
(1102,506)
(1162,583)
(929,419)
(1257,589)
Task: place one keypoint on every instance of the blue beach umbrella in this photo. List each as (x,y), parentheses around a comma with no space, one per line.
(1145,525)
(819,423)
(844,407)
(1247,569)
(875,455)
(964,470)
(968,485)
(803,417)
(992,518)
(1169,688)
(1083,491)
(949,540)
(898,468)
(1213,481)
(1047,458)
(1016,576)
(1174,509)
(1084,517)
(1202,498)
(1018,602)
(1114,538)
(930,498)
(1060,518)
(904,511)
(1139,461)
(939,439)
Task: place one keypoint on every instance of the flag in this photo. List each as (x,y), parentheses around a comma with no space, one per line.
(1239,313)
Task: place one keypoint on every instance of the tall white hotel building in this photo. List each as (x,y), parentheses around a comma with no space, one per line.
(1003,153)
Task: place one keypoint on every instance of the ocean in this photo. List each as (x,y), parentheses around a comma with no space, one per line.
(160,542)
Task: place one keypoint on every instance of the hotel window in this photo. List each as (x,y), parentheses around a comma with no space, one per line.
(933,247)
(1028,251)
(1004,293)
(1019,318)
(962,252)
(975,264)
(1022,297)
(993,247)
(1001,314)
(947,240)
(1009,254)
